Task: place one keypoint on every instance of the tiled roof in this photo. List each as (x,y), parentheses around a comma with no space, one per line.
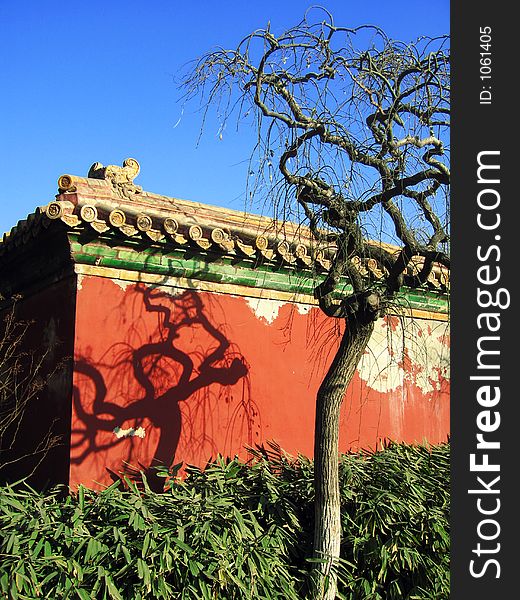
(108,201)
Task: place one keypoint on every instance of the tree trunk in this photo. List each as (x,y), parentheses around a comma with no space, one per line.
(327,523)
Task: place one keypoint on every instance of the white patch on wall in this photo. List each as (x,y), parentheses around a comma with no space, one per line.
(119,282)
(303,309)
(379,366)
(122,283)
(171,290)
(130,432)
(267,309)
(415,351)
(264,308)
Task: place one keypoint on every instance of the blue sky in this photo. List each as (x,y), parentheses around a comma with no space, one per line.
(87,82)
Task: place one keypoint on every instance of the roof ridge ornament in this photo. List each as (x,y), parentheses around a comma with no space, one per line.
(121,178)
(125,174)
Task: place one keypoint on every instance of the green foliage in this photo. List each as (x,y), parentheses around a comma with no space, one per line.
(395,513)
(234,531)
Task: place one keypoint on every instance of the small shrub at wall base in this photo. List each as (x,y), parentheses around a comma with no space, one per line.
(234,530)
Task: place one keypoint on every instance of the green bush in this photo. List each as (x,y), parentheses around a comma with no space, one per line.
(395,509)
(234,531)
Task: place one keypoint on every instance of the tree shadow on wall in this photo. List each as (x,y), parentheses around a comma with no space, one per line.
(146,382)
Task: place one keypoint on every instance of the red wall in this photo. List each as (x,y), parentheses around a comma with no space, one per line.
(203,374)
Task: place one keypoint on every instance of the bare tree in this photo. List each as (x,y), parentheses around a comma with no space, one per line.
(23,376)
(358,127)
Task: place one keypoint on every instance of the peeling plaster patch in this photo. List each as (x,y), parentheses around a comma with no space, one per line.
(171,291)
(380,366)
(80,281)
(268,309)
(304,309)
(131,432)
(264,308)
(123,284)
(417,352)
